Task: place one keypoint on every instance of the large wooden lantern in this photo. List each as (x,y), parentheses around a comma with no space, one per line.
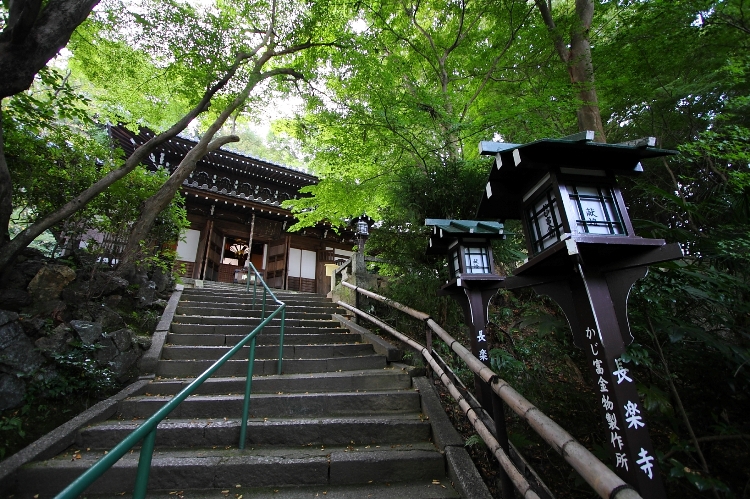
(468,246)
(583,253)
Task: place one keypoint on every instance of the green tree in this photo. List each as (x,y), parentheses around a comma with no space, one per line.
(401,109)
(174,50)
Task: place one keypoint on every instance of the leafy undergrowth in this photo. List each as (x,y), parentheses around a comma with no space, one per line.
(53,400)
(532,349)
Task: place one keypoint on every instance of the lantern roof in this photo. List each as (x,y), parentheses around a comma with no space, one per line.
(362,218)
(444,232)
(518,167)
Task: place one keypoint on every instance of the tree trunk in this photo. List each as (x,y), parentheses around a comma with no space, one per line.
(581,71)
(154,205)
(578,59)
(151,208)
(28,42)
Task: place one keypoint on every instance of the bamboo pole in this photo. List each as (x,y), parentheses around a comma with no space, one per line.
(603,480)
(519,481)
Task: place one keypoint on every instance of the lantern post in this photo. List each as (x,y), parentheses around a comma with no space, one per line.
(361,226)
(584,254)
(473,282)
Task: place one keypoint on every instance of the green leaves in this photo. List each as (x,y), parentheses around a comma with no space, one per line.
(696,478)
(505,364)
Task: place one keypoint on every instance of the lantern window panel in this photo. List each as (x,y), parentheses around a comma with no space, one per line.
(596,210)
(455,263)
(544,221)
(476,259)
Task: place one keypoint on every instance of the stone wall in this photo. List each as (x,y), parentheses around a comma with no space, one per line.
(51,311)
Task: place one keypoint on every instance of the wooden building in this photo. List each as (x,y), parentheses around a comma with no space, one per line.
(234,207)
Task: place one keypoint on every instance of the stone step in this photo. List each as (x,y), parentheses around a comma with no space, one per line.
(248,305)
(242,302)
(264,338)
(244,329)
(253,321)
(177,470)
(382,432)
(177,352)
(351,381)
(415,489)
(213,310)
(188,368)
(267,405)
(258,300)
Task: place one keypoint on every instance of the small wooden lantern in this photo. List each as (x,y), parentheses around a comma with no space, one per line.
(467,243)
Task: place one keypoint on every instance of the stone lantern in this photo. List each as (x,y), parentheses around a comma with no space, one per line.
(584,254)
(361,226)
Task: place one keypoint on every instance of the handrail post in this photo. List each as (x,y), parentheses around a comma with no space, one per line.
(281,337)
(144,465)
(255,289)
(263,314)
(498,415)
(428,344)
(248,389)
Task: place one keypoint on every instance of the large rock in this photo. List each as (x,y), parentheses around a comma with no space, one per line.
(89,332)
(108,318)
(123,339)
(29,253)
(159,304)
(9,332)
(123,362)
(106,283)
(13,278)
(14,299)
(12,391)
(7,316)
(146,294)
(34,327)
(20,356)
(49,281)
(47,308)
(77,292)
(143,342)
(162,279)
(106,353)
(112,301)
(55,343)
(30,268)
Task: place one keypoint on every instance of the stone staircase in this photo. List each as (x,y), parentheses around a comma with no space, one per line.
(339,422)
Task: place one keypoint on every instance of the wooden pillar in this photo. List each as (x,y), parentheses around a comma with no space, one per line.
(210,227)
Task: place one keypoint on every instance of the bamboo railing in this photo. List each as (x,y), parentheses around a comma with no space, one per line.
(603,480)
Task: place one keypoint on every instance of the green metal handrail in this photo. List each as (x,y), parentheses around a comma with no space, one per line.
(147,431)
(282,306)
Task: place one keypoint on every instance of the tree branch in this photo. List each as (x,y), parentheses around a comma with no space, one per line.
(546,11)
(283,71)
(218,142)
(495,61)
(12,247)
